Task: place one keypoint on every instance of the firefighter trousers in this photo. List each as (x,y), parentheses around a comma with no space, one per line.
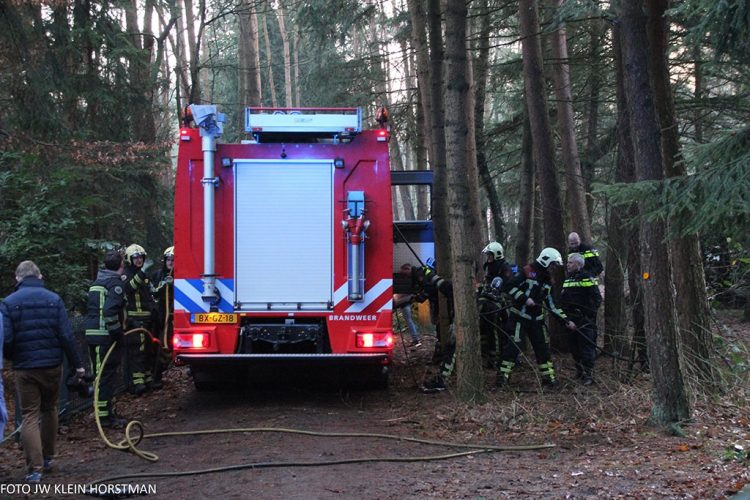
(109,375)
(162,353)
(518,328)
(491,332)
(140,350)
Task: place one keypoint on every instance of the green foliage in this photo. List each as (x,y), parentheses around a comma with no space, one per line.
(61,207)
(736,453)
(715,198)
(725,23)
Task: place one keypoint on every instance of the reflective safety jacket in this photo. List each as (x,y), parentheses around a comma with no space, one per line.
(580,297)
(162,289)
(592,264)
(105,309)
(137,285)
(533,282)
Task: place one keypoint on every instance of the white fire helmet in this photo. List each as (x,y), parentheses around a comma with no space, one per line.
(496,249)
(548,256)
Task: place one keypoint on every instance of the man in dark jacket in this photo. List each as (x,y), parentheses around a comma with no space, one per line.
(593,265)
(580,299)
(105,314)
(37,333)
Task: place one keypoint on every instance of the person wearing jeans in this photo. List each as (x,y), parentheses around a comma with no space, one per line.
(402,302)
(37,333)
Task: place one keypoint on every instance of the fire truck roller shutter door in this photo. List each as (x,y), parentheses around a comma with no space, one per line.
(283,233)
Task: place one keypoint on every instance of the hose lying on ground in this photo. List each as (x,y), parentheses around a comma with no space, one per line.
(131,442)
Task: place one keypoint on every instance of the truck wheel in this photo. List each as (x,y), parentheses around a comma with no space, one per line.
(370,378)
(379,378)
(204,380)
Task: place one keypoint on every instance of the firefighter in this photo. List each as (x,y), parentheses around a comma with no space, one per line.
(492,313)
(580,300)
(590,254)
(105,316)
(162,283)
(432,284)
(140,314)
(529,290)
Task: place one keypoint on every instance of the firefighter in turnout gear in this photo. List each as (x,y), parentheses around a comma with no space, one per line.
(593,265)
(492,313)
(140,314)
(105,315)
(432,284)
(163,291)
(529,290)
(580,300)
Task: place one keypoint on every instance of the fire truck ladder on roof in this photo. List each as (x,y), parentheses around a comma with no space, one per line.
(318,122)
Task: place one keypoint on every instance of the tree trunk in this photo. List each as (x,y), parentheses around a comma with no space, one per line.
(541,134)
(295,67)
(440,183)
(424,108)
(576,187)
(593,151)
(526,193)
(469,361)
(287,57)
(141,121)
(698,94)
(193,51)
(692,304)
(481,72)
(670,399)
(476,218)
(615,319)
(269,59)
(181,54)
(249,57)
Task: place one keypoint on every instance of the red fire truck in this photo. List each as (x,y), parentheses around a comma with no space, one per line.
(283,243)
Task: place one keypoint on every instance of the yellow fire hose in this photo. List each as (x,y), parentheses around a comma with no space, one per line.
(131,442)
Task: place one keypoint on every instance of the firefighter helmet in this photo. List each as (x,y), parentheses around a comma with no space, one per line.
(496,249)
(549,256)
(169,252)
(134,251)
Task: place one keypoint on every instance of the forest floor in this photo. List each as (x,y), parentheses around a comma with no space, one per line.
(603,444)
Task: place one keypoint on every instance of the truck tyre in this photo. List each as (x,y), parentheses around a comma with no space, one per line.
(204,380)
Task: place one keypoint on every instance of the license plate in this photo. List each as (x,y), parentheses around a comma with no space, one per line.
(214,317)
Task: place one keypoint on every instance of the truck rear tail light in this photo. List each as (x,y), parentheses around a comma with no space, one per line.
(384,339)
(191,341)
(184,134)
(383,135)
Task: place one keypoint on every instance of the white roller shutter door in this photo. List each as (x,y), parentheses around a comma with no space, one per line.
(283,234)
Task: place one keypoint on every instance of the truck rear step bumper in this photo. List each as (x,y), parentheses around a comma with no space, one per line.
(287,359)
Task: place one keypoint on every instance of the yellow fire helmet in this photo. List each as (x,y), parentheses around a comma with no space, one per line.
(169,252)
(134,251)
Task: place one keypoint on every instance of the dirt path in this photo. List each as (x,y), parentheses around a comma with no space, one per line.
(603,446)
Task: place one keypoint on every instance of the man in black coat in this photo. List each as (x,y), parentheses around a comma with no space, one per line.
(105,314)
(37,334)
(593,265)
(580,298)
